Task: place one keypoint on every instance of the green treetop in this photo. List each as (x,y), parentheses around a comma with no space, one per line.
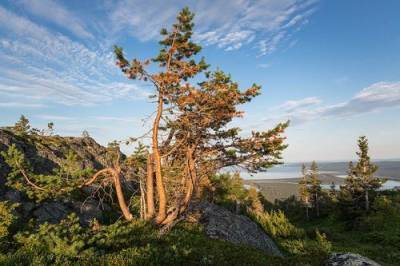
(361,180)
(315,186)
(22,126)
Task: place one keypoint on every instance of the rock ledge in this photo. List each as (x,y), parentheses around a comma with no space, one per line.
(349,259)
(222,224)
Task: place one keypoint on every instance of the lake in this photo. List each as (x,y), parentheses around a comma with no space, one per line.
(389,184)
(338,169)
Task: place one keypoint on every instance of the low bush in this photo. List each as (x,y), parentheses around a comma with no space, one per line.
(294,241)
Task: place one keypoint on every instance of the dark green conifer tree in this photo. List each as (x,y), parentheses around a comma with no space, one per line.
(361,182)
(314,187)
(22,126)
(304,193)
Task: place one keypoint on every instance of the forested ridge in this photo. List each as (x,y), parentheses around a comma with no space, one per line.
(70,201)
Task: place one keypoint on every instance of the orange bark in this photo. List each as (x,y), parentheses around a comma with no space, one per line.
(115,174)
(120,195)
(162,196)
(150,189)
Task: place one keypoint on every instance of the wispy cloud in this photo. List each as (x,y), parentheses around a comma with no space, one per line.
(56,13)
(21,105)
(56,117)
(378,96)
(375,97)
(264,65)
(50,67)
(45,66)
(116,119)
(293,105)
(228,24)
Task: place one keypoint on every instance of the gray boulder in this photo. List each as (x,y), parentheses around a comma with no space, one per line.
(349,259)
(52,212)
(222,224)
(13,196)
(87,211)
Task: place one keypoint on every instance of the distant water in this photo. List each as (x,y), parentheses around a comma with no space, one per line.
(389,184)
(388,169)
(294,171)
(281,172)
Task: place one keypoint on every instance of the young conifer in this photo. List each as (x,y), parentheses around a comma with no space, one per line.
(315,187)
(304,190)
(361,180)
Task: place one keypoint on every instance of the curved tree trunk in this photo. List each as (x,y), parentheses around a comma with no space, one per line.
(192,180)
(184,199)
(162,197)
(120,195)
(150,189)
(115,175)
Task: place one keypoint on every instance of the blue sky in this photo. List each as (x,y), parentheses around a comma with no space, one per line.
(331,67)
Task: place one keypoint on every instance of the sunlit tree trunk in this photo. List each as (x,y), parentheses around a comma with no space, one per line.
(162,197)
(150,188)
(186,194)
(192,178)
(143,205)
(120,196)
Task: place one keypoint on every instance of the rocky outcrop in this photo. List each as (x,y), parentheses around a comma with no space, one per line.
(44,154)
(349,259)
(222,224)
(52,212)
(55,211)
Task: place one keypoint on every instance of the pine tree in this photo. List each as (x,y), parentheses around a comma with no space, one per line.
(361,182)
(303,190)
(332,191)
(50,128)
(256,205)
(315,187)
(191,140)
(85,134)
(22,126)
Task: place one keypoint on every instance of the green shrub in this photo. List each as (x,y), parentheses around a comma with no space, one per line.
(291,239)
(122,243)
(61,184)
(8,220)
(276,224)
(66,239)
(228,189)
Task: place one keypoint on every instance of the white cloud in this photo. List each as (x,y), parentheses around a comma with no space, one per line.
(49,67)
(292,105)
(10,21)
(21,105)
(53,11)
(269,45)
(43,67)
(56,117)
(228,24)
(117,119)
(378,96)
(264,65)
